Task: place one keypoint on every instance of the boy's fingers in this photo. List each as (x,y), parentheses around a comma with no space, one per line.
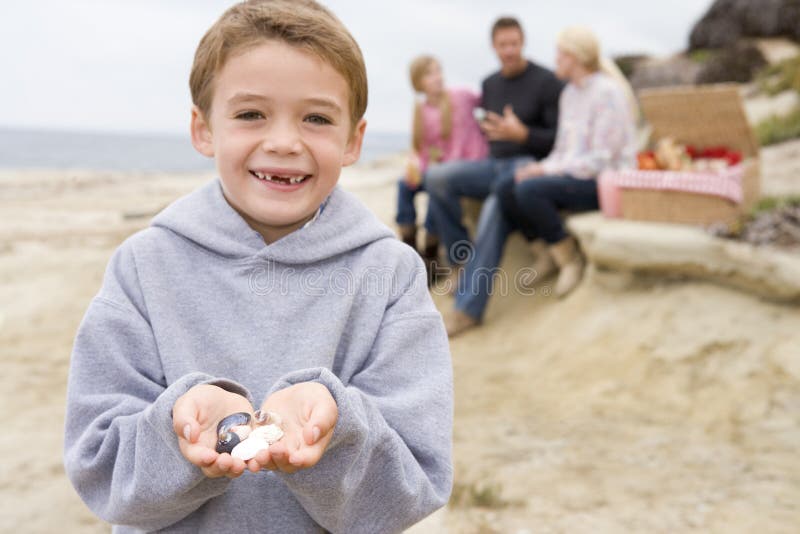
(224,462)
(262,460)
(184,422)
(200,455)
(321,422)
(281,460)
(210,472)
(311,434)
(253,466)
(305,458)
(237,468)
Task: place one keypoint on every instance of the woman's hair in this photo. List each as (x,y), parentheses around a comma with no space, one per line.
(419,67)
(582,43)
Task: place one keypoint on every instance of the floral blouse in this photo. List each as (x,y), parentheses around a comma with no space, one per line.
(596,130)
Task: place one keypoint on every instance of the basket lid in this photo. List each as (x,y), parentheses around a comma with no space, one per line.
(705,115)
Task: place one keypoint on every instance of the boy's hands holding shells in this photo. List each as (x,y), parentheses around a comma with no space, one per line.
(195,416)
(309,413)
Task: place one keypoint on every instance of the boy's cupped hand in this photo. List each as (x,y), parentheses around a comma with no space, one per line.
(309,414)
(195,416)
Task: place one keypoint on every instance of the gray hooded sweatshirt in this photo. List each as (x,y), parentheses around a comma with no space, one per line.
(198,297)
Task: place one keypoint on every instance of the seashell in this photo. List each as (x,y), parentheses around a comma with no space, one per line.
(227,442)
(268,433)
(247,449)
(236,419)
(263,417)
(243,431)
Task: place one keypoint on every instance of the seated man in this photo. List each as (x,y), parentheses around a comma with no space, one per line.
(522,113)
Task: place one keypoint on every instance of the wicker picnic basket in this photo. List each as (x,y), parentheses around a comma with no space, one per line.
(703,116)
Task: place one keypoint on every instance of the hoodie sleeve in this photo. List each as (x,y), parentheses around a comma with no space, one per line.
(389,462)
(121,453)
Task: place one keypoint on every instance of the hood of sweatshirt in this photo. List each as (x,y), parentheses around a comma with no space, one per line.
(205,218)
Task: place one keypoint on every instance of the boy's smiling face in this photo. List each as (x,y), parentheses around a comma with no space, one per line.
(280,130)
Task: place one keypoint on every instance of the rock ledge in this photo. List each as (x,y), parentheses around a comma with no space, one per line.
(674,249)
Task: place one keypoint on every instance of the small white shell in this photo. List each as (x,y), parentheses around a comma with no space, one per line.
(247,449)
(243,431)
(268,433)
(262,417)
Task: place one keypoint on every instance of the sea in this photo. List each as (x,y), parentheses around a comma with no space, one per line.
(51,149)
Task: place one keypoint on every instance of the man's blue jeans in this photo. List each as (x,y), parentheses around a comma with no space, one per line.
(475,286)
(530,206)
(447,182)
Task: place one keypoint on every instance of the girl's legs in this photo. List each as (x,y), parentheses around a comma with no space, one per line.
(406,213)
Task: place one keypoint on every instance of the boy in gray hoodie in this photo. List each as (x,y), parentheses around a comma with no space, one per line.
(272,286)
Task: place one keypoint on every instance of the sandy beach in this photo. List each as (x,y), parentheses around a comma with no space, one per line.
(644,405)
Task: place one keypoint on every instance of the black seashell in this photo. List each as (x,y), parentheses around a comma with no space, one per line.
(236,419)
(227,441)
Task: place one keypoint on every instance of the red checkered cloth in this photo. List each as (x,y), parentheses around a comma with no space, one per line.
(726,184)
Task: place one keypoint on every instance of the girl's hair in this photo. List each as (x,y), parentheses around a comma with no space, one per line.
(419,67)
(582,43)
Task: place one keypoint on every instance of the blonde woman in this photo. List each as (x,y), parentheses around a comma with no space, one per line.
(444,129)
(596,132)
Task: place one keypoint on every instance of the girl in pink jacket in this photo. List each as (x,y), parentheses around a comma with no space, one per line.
(444,129)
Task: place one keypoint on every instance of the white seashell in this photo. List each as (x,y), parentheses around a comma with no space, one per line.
(263,417)
(243,431)
(268,433)
(247,449)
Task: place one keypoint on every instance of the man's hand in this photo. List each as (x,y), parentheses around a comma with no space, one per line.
(308,413)
(195,416)
(526,172)
(505,127)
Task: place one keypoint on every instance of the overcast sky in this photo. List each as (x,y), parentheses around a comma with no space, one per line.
(123,66)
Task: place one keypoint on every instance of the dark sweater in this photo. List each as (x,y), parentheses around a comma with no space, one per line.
(533,95)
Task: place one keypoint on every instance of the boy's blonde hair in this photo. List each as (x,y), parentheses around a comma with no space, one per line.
(304,24)
(419,66)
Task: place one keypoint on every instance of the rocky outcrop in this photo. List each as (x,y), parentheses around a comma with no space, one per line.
(737,63)
(726,41)
(666,72)
(728,21)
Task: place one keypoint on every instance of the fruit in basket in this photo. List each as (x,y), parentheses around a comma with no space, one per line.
(733,157)
(647,161)
(671,156)
(709,165)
